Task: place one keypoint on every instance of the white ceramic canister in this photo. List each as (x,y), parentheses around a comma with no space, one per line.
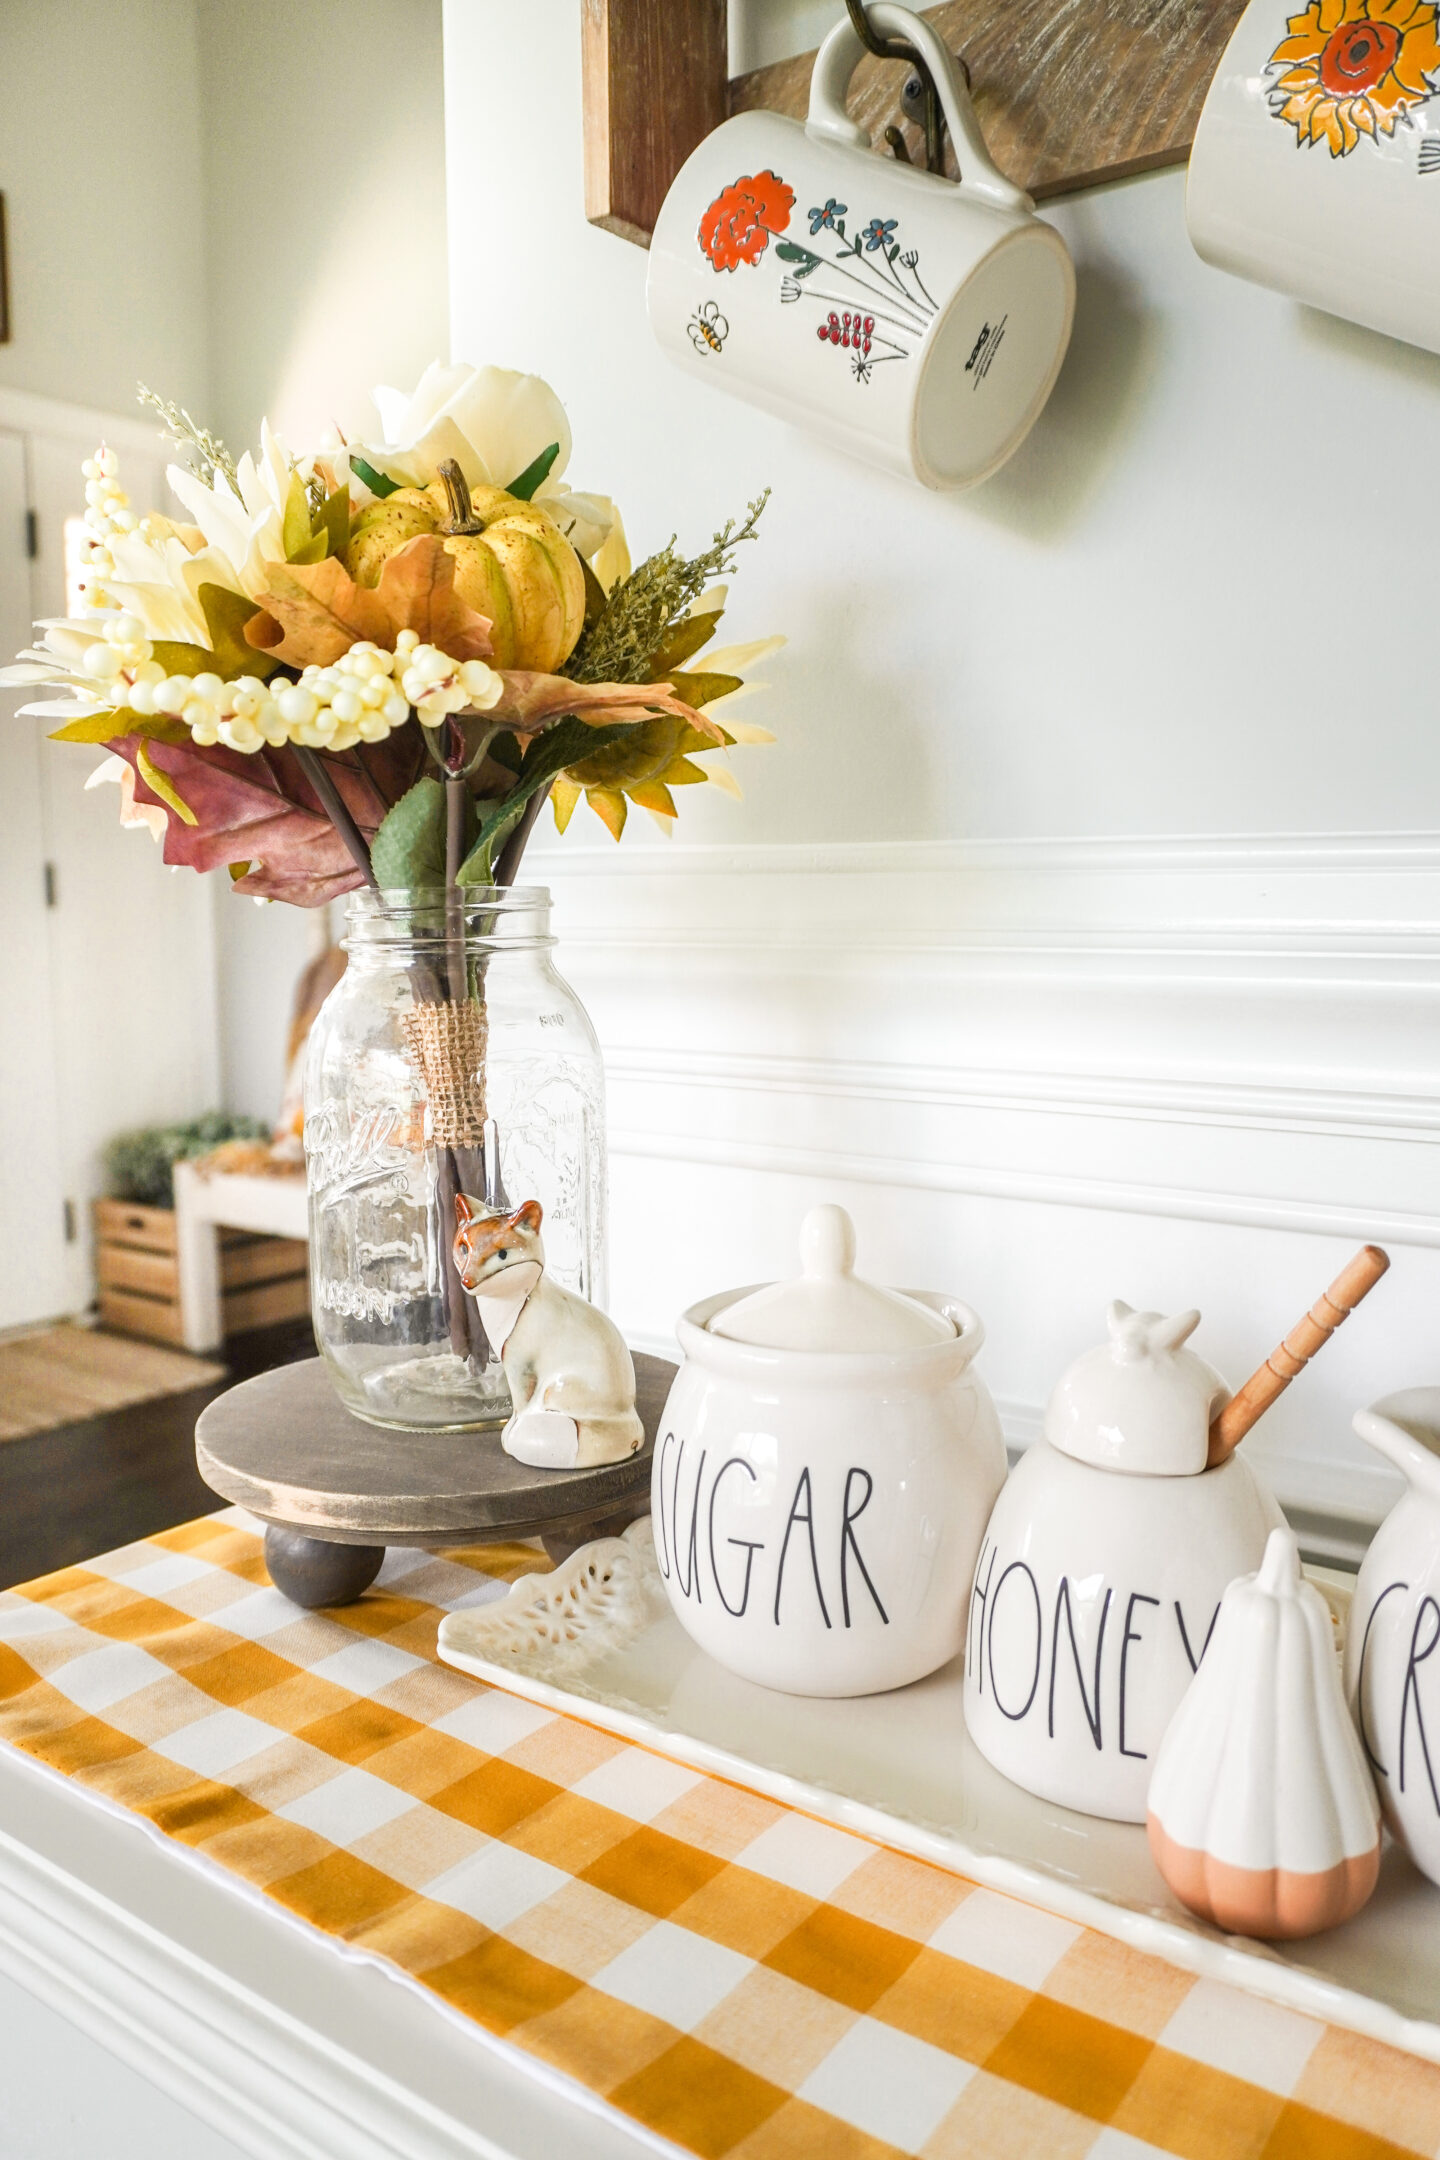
(1316,164)
(917,322)
(1392,1669)
(1102,1570)
(825,1465)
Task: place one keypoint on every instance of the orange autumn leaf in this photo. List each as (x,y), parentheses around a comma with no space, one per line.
(314,612)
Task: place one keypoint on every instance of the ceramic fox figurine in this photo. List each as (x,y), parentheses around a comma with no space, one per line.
(570,1374)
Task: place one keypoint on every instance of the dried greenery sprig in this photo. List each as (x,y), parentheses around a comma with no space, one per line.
(621,644)
(207,454)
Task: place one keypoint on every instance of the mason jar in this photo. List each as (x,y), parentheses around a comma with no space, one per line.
(450,1057)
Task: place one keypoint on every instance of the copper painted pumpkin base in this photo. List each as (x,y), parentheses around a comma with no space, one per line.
(1270,1903)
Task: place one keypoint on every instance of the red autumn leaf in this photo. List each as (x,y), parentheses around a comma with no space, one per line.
(261,810)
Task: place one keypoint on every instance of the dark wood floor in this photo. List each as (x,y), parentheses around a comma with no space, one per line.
(85,1488)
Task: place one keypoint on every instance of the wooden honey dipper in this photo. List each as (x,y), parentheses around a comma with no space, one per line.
(1355,1280)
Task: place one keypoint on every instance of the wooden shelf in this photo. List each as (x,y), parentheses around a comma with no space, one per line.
(1066,97)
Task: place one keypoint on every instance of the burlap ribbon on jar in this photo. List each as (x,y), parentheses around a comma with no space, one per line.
(447,1042)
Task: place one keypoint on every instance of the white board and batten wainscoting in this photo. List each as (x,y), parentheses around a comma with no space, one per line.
(1081,930)
(1040,1075)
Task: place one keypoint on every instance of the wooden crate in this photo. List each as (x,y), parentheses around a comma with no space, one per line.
(263,1279)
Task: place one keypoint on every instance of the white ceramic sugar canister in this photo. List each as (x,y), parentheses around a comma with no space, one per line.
(1102,1570)
(914,321)
(1392,1669)
(825,1465)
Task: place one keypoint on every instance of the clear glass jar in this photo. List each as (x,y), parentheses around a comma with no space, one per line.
(450,1055)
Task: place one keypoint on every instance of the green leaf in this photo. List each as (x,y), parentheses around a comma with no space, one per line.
(107,727)
(375,481)
(686,637)
(316,548)
(497,822)
(96,727)
(226,614)
(333,519)
(295,526)
(801,258)
(409,848)
(701,689)
(160,784)
(564,744)
(180,659)
(596,597)
(537,470)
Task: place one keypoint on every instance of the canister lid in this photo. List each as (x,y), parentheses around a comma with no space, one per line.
(828,1306)
(1139,1402)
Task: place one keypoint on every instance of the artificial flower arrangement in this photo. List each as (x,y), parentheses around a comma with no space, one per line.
(376,662)
(373,665)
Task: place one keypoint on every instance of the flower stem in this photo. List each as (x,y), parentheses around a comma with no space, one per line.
(507,868)
(333,803)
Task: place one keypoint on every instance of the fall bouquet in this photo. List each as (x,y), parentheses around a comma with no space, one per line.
(376,662)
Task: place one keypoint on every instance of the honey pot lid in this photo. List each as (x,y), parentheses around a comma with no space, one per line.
(1140,1402)
(828,1306)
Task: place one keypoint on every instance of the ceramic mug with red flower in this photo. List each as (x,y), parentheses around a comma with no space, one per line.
(1316,166)
(915,321)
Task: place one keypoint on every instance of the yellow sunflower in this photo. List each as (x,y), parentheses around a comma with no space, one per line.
(1355,67)
(657,755)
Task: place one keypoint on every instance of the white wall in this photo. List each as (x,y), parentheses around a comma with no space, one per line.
(325,190)
(324,152)
(104,202)
(1078,932)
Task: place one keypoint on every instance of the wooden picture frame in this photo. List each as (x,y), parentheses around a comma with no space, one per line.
(1066,97)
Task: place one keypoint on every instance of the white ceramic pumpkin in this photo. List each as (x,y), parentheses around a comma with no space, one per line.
(1263,1818)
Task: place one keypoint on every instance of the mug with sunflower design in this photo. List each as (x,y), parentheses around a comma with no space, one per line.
(1316,166)
(915,321)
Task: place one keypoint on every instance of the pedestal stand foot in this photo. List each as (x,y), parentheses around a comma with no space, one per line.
(560,1544)
(316,1571)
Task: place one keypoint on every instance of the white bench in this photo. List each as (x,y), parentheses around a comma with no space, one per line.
(204,1206)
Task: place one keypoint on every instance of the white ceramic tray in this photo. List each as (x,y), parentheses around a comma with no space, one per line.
(597,1639)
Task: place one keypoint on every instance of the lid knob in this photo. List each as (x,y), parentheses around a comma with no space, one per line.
(827,1244)
(828,1306)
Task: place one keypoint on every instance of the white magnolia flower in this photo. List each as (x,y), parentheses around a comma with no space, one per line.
(494,422)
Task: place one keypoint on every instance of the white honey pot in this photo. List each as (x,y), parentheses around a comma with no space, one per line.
(825,1465)
(1103,1566)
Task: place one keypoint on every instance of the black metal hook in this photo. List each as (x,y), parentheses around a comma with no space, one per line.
(921,97)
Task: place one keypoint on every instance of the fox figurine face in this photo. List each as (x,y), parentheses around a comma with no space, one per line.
(571,1379)
(486,1246)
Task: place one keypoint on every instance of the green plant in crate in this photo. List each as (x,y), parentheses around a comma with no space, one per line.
(140,1166)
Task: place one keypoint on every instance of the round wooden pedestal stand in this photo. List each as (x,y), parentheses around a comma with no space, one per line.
(334,1491)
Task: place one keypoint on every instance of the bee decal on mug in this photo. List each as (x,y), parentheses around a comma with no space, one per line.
(708,327)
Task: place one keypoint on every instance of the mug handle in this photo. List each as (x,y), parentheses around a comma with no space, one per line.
(835,63)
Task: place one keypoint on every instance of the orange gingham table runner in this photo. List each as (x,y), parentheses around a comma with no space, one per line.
(738,1978)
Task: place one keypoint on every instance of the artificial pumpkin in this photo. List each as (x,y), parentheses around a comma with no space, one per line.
(1262,1816)
(512,562)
